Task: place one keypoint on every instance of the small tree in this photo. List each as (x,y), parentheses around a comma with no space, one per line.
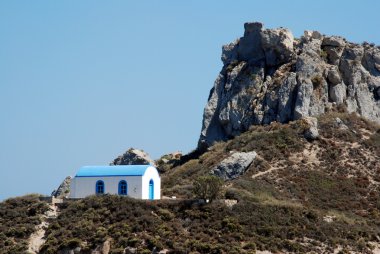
(207,187)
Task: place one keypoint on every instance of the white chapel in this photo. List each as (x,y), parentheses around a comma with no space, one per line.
(136,181)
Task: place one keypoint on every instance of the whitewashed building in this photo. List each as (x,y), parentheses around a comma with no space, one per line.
(136,181)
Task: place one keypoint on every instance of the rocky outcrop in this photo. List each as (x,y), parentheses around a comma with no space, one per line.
(133,157)
(234,166)
(268,76)
(311,132)
(63,190)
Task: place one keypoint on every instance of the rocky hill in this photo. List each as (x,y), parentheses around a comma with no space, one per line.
(268,75)
(282,193)
(292,130)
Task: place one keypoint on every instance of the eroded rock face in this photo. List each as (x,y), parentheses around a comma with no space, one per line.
(133,157)
(234,166)
(270,76)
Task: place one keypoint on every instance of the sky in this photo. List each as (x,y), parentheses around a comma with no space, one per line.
(83,81)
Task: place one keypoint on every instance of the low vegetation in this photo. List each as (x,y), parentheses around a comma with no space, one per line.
(189,226)
(335,179)
(297,196)
(18,220)
(207,187)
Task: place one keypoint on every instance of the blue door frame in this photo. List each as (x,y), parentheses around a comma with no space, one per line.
(151,189)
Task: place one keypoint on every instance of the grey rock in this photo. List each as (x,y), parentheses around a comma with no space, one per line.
(371,61)
(340,124)
(303,100)
(286,98)
(130,250)
(230,52)
(234,166)
(277,45)
(353,52)
(250,27)
(211,129)
(360,85)
(333,76)
(312,35)
(103,248)
(249,48)
(316,35)
(133,157)
(333,54)
(338,93)
(268,76)
(311,133)
(335,41)
(63,190)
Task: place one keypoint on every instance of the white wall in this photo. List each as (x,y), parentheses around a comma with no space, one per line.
(138,186)
(85,186)
(151,173)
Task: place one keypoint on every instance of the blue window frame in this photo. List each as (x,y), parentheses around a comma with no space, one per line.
(99,187)
(123,188)
(151,189)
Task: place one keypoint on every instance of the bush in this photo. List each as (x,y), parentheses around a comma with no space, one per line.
(207,187)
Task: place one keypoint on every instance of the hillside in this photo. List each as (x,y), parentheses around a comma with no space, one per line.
(334,179)
(297,196)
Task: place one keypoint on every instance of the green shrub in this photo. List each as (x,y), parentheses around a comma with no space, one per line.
(207,187)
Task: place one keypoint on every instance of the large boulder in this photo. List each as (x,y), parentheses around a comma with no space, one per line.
(311,131)
(277,45)
(234,166)
(334,41)
(133,157)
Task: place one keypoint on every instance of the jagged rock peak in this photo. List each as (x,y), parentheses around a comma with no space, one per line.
(133,157)
(268,76)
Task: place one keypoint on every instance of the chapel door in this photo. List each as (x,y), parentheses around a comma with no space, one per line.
(151,189)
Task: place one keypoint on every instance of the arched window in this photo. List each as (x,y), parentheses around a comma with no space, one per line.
(151,189)
(123,188)
(99,188)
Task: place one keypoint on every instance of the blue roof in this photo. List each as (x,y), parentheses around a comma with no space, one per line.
(125,170)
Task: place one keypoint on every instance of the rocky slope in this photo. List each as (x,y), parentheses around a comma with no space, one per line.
(305,196)
(268,75)
(282,193)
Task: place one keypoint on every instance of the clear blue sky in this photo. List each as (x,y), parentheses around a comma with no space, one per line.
(82,81)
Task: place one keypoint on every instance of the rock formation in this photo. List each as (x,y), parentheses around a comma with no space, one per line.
(133,157)
(235,165)
(268,76)
(311,132)
(63,189)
